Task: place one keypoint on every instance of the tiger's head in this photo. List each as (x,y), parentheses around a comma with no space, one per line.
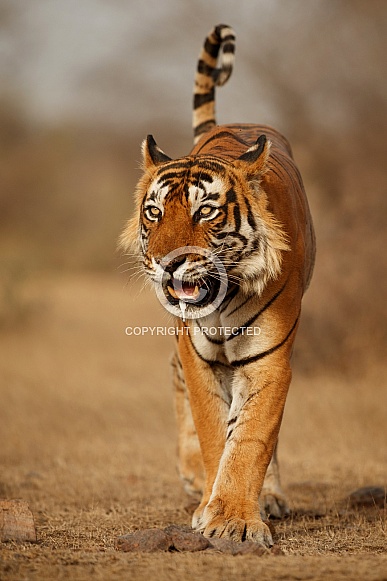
(201,210)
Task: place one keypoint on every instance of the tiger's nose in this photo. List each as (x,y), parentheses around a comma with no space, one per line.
(174,264)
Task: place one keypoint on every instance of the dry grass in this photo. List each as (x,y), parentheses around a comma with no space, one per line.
(88,439)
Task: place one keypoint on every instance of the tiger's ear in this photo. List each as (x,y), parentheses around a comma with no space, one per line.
(152,154)
(253,162)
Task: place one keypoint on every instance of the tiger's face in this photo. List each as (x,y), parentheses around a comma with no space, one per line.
(184,213)
(198,211)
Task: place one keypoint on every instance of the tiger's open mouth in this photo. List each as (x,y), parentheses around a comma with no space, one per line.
(198,293)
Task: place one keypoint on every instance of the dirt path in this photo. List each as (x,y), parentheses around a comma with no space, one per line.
(87,437)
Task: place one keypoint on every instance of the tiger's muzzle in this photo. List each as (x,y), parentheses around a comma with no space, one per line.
(190,282)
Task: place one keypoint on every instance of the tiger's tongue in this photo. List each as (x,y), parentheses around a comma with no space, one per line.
(187,290)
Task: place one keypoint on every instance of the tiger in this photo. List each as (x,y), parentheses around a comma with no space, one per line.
(231,216)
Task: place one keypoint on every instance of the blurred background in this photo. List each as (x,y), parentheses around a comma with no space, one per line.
(82,83)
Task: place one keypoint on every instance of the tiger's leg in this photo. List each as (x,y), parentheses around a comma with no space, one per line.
(273,501)
(210,409)
(259,395)
(190,463)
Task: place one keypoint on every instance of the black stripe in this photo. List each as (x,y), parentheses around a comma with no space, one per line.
(250,215)
(237,235)
(152,196)
(217,165)
(229,296)
(145,229)
(241,305)
(202,176)
(254,317)
(228,37)
(208,337)
(210,362)
(237,218)
(218,31)
(211,49)
(205,69)
(228,47)
(217,72)
(171,175)
(203,98)
(257,245)
(210,196)
(173,185)
(212,164)
(204,127)
(247,360)
(222,134)
(273,170)
(216,228)
(287,166)
(175,165)
(231,196)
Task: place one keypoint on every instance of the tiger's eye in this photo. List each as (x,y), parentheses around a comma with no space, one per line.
(206,211)
(153,213)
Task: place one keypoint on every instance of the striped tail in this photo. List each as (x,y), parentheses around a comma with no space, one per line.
(207,76)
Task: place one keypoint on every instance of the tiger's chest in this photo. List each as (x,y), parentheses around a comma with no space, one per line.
(239,329)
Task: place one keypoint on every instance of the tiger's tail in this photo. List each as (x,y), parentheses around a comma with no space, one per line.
(208,75)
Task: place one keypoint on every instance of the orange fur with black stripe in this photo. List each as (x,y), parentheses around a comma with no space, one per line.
(239,196)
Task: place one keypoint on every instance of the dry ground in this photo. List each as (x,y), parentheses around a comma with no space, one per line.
(87,437)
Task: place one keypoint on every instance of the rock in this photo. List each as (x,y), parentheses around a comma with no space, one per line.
(180,538)
(248,547)
(223,545)
(16,521)
(144,541)
(233,548)
(171,538)
(368,496)
(185,539)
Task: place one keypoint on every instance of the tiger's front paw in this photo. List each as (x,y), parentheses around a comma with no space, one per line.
(214,520)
